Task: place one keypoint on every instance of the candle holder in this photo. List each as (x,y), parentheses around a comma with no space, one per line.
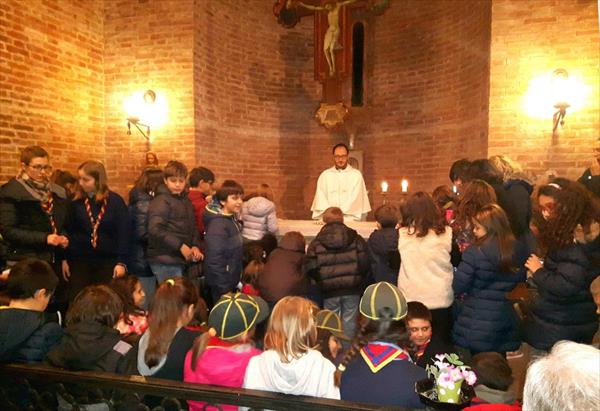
(384,191)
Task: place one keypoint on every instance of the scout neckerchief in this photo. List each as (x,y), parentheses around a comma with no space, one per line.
(95,222)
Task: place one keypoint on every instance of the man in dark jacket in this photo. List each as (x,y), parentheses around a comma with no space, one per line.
(338,260)
(33,211)
(173,238)
(26,332)
(224,248)
(383,246)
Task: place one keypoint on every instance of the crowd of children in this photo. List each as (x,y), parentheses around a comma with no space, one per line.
(339,317)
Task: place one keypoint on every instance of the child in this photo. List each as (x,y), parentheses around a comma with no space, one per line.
(99,230)
(140,197)
(329,334)
(282,274)
(250,277)
(377,369)
(91,341)
(173,239)
(220,356)
(492,389)
(477,194)
(258,214)
(425,242)
(564,309)
(383,245)
(338,260)
(224,251)
(424,343)
(26,332)
(163,346)
(290,364)
(130,290)
(445,200)
(490,268)
(201,186)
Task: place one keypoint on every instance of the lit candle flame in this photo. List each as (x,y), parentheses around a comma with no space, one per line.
(404,185)
(454,189)
(384,187)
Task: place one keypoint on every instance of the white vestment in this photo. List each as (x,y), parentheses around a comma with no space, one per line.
(344,189)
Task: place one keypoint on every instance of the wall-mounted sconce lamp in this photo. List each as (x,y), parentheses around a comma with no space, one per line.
(551,94)
(559,83)
(145,112)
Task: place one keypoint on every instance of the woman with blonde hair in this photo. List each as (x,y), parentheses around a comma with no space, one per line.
(258,213)
(291,364)
(98,227)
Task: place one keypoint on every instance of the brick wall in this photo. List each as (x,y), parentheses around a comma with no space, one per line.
(241,94)
(51,81)
(428,91)
(149,45)
(530,39)
(255,100)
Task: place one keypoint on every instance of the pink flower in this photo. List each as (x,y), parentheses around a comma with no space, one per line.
(456,375)
(471,378)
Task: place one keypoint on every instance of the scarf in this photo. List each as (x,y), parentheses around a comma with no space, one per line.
(378,354)
(39,190)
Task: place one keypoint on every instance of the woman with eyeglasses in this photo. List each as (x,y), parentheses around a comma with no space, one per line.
(33,211)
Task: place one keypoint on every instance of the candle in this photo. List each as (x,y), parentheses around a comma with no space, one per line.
(384,187)
(404,185)
(454,189)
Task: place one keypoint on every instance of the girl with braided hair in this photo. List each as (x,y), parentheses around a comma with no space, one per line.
(568,239)
(376,369)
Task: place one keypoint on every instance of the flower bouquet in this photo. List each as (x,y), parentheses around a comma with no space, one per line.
(450,383)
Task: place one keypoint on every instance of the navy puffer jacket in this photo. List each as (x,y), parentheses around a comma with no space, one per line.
(487,321)
(224,249)
(564,308)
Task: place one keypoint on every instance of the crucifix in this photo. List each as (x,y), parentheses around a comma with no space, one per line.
(334,49)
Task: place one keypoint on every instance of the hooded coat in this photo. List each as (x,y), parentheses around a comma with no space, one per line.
(564,308)
(27,335)
(222,264)
(339,261)
(91,346)
(259,218)
(487,320)
(283,274)
(219,365)
(311,374)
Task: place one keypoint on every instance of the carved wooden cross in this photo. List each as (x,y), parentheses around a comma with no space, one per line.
(333,41)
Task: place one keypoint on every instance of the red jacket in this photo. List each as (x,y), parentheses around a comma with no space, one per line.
(199,201)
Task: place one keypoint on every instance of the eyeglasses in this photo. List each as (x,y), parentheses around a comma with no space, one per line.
(417,329)
(39,167)
(340,157)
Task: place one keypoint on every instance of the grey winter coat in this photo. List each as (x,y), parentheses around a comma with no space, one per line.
(259,218)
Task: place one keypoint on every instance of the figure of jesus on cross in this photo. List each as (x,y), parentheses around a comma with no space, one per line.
(331,41)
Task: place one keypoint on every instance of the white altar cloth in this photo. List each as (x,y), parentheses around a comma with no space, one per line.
(310,228)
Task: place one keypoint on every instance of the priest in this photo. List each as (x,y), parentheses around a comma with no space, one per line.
(341,186)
